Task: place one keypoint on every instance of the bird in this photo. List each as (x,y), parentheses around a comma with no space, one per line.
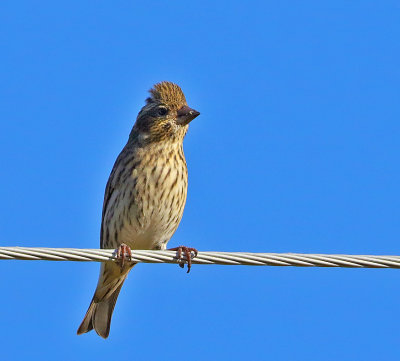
(144,197)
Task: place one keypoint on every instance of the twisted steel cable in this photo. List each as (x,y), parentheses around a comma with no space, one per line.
(223,258)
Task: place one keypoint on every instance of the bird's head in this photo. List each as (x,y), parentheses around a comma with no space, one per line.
(166,115)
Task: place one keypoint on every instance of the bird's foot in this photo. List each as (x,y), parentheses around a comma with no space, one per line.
(188,253)
(123,252)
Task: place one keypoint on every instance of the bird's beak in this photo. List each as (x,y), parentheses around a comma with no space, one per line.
(186,115)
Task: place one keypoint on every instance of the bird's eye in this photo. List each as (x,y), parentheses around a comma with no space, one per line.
(162,111)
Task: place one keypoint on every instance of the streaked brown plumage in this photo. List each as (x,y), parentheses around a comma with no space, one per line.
(145,194)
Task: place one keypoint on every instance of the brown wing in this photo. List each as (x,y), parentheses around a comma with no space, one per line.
(107,195)
(126,156)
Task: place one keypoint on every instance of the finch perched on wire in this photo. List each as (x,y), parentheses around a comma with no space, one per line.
(144,197)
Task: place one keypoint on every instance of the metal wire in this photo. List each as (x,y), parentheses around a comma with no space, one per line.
(223,258)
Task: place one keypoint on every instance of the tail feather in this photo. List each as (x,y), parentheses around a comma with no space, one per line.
(104,310)
(98,316)
(87,323)
(99,313)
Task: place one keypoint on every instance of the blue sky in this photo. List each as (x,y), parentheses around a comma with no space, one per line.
(296,150)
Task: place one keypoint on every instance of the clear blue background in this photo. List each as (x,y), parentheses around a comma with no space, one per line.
(296,150)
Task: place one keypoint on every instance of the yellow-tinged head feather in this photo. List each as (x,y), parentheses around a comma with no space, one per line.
(167,93)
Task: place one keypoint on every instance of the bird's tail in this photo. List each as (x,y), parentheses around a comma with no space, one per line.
(99,313)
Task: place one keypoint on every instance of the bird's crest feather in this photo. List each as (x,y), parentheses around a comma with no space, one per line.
(167,93)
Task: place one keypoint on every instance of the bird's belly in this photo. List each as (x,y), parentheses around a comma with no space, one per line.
(155,217)
(154,233)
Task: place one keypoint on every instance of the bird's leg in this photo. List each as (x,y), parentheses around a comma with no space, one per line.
(123,253)
(188,253)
